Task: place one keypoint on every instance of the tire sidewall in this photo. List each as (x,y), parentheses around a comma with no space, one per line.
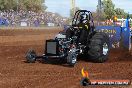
(98,56)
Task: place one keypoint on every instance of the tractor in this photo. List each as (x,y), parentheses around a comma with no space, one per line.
(80,38)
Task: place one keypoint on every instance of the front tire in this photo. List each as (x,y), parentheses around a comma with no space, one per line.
(71,58)
(99,47)
(31,56)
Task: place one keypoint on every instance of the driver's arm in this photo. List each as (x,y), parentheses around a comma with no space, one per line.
(84,26)
(69,32)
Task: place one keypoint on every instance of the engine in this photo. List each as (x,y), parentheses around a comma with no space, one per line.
(57,46)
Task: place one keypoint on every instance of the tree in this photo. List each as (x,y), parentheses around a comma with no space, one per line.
(130,15)
(72,13)
(108,8)
(8,4)
(35,5)
(120,13)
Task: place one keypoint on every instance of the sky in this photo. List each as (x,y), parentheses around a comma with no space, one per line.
(63,6)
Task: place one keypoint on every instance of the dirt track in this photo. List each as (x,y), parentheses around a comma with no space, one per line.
(15,73)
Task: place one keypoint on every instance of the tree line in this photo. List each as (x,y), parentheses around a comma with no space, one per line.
(34,5)
(108,11)
(108,8)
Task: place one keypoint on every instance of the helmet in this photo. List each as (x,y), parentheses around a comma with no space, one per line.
(83,17)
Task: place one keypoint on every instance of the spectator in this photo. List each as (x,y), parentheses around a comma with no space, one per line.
(13,18)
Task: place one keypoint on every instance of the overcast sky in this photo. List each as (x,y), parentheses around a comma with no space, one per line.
(63,6)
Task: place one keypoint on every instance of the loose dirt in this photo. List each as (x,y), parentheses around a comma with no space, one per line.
(16,73)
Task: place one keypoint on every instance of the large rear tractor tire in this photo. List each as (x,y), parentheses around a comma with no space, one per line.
(99,47)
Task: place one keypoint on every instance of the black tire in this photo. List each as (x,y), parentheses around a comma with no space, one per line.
(31,56)
(99,47)
(71,58)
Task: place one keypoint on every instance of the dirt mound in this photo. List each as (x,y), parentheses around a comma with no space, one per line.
(15,73)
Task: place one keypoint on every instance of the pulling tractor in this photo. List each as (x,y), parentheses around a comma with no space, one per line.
(82,38)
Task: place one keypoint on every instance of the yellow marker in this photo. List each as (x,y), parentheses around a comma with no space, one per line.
(86,26)
(80,27)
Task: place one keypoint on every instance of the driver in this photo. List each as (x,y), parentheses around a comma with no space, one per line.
(84,27)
